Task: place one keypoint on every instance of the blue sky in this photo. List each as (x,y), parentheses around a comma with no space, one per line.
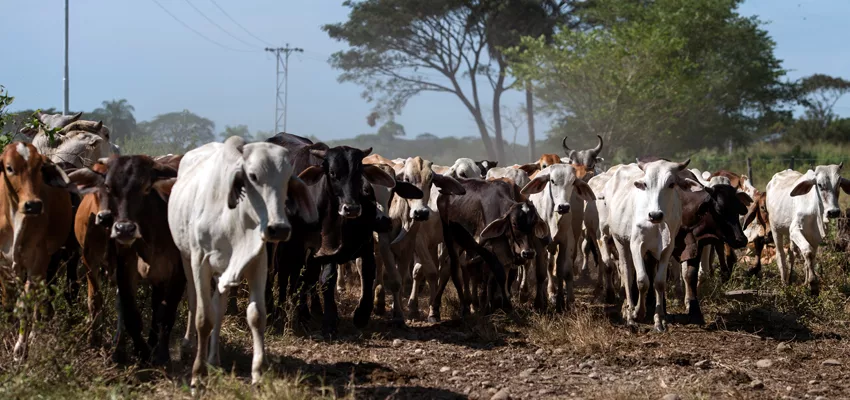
(134,50)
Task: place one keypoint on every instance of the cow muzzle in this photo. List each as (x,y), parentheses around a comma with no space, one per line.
(527,254)
(125,232)
(563,208)
(833,213)
(421,214)
(350,210)
(277,232)
(103,219)
(33,207)
(656,216)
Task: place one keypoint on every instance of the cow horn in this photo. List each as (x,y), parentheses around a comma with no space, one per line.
(841,164)
(598,147)
(566,148)
(319,153)
(98,126)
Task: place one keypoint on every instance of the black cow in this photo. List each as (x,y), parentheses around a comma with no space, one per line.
(138,189)
(587,158)
(340,185)
(508,229)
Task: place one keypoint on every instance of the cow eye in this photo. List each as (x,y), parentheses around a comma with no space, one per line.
(670,186)
(9,169)
(332,174)
(253,177)
(106,187)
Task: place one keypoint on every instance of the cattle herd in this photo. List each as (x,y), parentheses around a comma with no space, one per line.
(200,224)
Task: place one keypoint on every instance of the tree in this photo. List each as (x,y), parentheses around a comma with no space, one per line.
(181,131)
(401,48)
(818,94)
(390,130)
(658,77)
(238,130)
(118,116)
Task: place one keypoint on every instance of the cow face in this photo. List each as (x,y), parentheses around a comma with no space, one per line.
(827,180)
(659,186)
(485,165)
(726,204)
(264,181)
(466,168)
(585,158)
(89,182)
(418,172)
(51,121)
(343,169)
(517,226)
(559,180)
(129,182)
(24,171)
(758,211)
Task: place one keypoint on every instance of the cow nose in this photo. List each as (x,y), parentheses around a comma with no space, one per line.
(656,216)
(351,210)
(125,228)
(103,218)
(33,207)
(563,208)
(833,213)
(421,215)
(527,254)
(278,232)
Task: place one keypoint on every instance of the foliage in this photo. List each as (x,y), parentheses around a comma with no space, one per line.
(238,130)
(118,116)
(17,121)
(181,131)
(390,130)
(657,78)
(5,101)
(818,94)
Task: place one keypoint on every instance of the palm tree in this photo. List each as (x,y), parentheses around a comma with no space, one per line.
(118,115)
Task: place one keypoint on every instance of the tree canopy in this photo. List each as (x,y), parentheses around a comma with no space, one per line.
(182,130)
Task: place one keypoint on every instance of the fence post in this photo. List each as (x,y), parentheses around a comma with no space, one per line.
(792,163)
(750,171)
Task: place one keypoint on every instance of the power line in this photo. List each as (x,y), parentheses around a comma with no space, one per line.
(238,24)
(198,33)
(216,25)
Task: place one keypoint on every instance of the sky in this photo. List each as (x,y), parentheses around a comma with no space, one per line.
(136,50)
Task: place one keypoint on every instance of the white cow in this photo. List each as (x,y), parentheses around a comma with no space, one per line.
(596,229)
(229,200)
(645,214)
(798,205)
(552,193)
(519,176)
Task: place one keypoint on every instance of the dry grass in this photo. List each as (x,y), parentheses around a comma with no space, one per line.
(584,331)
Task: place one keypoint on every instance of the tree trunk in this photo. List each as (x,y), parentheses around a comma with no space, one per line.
(529,115)
(485,135)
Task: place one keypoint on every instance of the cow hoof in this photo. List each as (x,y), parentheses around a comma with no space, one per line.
(397,322)
(433,319)
(329,333)
(660,328)
(814,290)
(695,313)
(119,357)
(161,359)
(755,271)
(361,317)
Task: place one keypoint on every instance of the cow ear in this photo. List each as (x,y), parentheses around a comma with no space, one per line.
(541,231)
(312,175)
(690,184)
(375,175)
(584,191)
(237,187)
(495,229)
(844,183)
(530,168)
(744,198)
(683,165)
(55,176)
(640,184)
(303,200)
(448,185)
(752,212)
(86,180)
(319,150)
(407,191)
(162,171)
(536,185)
(803,187)
(163,187)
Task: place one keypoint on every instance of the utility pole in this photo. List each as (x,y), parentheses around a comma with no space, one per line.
(65,79)
(282,87)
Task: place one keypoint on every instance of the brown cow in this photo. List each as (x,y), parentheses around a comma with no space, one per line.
(758,212)
(137,190)
(35,220)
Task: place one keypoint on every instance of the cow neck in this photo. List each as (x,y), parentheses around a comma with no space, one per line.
(10,192)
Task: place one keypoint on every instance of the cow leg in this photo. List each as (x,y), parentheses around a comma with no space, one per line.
(35,274)
(219,304)
(641,279)
(551,272)
(275,311)
(95,302)
(454,271)
(758,244)
(809,253)
(513,273)
(367,279)
(173,295)
(203,318)
(125,276)
(691,281)
(256,313)
(781,258)
(388,277)
(331,317)
(157,295)
(192,299)
(660,286)
(418,282)
(541,260)
(728,265)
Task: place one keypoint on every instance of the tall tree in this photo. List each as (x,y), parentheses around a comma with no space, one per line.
(182,130)
(401,48)
(390,130)
(658,77)
(238,130)
(818,94)
(118,116)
